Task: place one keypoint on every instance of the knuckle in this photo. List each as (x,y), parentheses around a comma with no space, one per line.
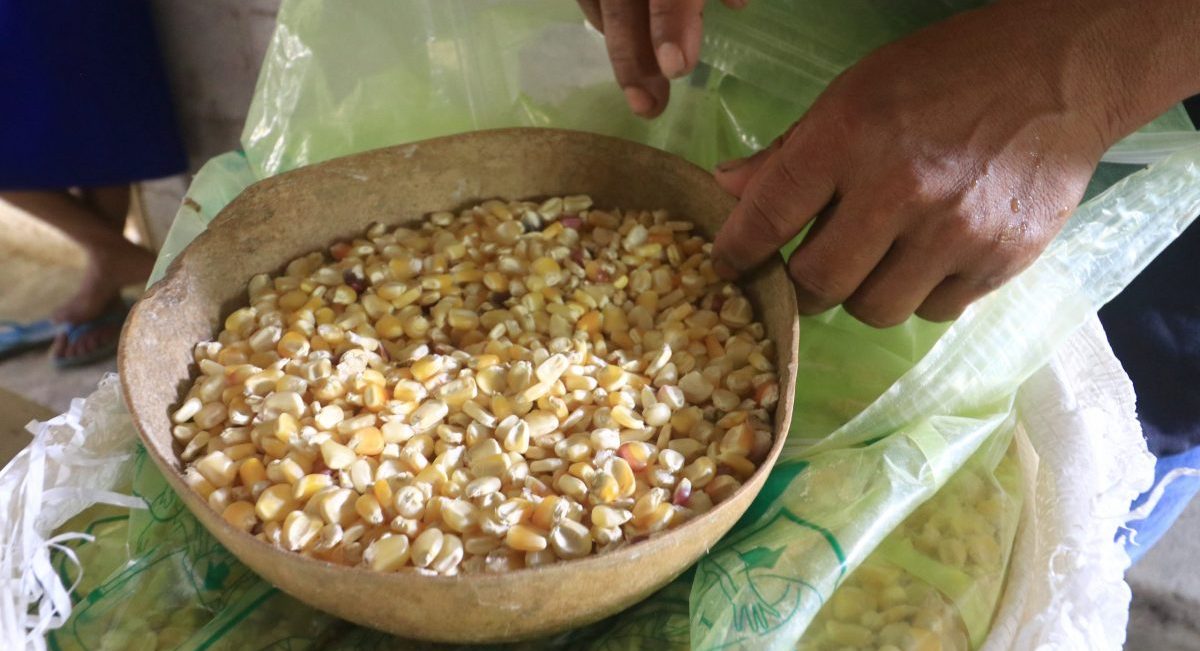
(942,313)
(819,288)
(769,215)
(790,175)
(872,306)
(992,282)
(665,12)
(876,316)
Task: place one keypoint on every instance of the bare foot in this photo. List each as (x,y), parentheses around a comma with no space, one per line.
(111,267)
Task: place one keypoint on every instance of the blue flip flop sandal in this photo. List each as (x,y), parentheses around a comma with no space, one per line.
(114,316)
(16,338)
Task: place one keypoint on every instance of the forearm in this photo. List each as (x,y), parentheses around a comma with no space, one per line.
(1121,62)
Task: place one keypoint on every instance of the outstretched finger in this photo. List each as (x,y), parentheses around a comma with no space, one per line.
(627,36)
(675,30)
(591,11)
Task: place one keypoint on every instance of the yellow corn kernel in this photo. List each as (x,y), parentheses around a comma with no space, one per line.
(233,355)
(283,402)
(273,447)
(292,345)
(275,503)
(623,473)
(524,538)
(241,322)
(374,397)
(368,508)
(740,465)
(335,505)
(534,392)
(389,327)
(240,451)
(700,472)
(612,378)
(605,488)
(608,517)
(462,320)
(551,509)
(721,487)
(251,471)
(382,491)
(846,634)
(211,415)
(309,485)
(198,483)
(589,323)
(573,487)
(217,468)
(427,367)
(485,361)
(739,440)
(367,441)
(284,427)
(240,514)
(408,391)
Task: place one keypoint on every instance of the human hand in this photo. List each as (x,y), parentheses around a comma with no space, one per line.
(650,42)
(931,172)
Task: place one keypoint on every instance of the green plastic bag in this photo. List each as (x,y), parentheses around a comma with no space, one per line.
(885,420)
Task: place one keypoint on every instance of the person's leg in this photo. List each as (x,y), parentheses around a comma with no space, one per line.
(110,202)
(113,262)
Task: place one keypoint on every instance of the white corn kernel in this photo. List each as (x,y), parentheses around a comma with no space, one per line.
(187,410)
(426,547)
(388,554)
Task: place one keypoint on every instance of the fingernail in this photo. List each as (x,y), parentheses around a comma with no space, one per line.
(733,164)
(639,100)
(670,60)
(724,269)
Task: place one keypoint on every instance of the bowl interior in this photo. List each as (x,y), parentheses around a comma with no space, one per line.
(283,217)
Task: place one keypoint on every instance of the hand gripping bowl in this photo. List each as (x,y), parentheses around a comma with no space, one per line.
(280,218)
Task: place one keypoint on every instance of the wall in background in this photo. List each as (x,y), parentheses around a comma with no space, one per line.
(212,51)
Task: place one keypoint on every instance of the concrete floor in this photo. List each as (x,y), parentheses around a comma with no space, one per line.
(1166,588)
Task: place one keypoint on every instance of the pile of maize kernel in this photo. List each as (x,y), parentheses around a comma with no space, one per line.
(963,532)
(883,607)
(515,385)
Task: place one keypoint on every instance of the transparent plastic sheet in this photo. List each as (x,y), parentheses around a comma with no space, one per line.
(338,81)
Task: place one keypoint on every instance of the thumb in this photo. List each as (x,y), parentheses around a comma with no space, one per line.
(734,175)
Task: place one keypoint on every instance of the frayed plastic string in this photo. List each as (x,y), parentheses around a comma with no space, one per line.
(34,599)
